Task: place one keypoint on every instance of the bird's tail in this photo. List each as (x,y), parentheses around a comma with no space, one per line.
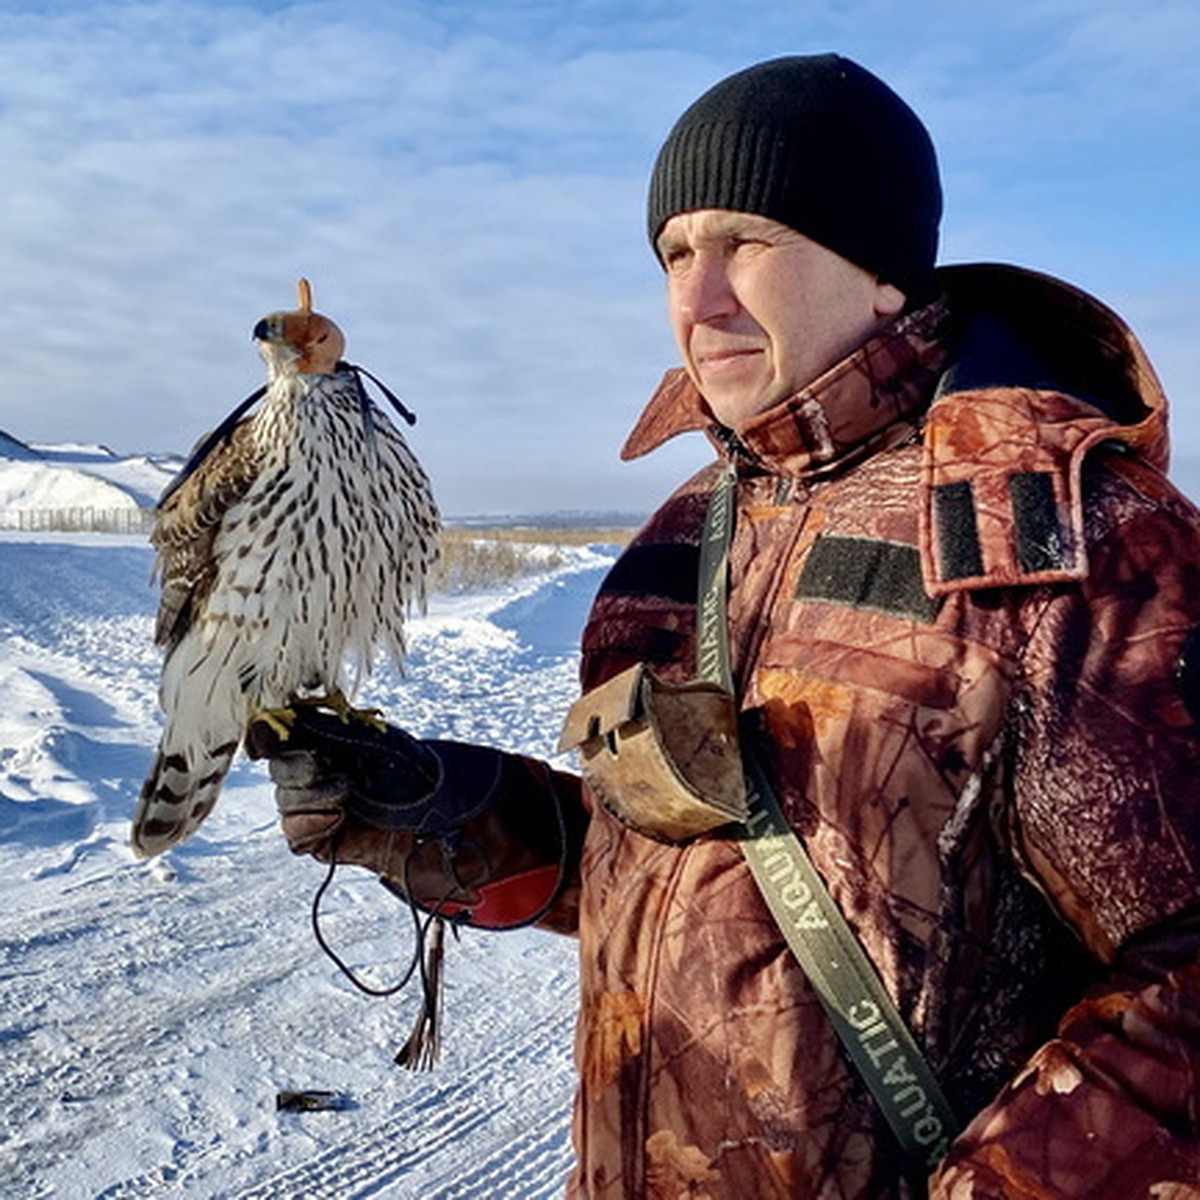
(180,791)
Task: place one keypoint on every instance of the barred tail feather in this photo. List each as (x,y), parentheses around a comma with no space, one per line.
(179,792)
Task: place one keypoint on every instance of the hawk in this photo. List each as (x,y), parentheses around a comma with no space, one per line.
(290,549)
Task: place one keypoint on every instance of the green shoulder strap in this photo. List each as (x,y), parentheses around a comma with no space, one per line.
(859,1007)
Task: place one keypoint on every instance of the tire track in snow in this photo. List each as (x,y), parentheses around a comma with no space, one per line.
(144,1028)
(120,958)
(105,1061)
(534,1166)
(455,1117)
(392,1157)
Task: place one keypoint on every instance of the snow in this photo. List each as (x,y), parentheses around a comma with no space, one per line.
(73,475)
(151,1012)
(36,485)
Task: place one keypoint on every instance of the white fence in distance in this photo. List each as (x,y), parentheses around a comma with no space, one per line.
(78,520)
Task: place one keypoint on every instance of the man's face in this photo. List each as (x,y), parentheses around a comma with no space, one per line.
(759,310)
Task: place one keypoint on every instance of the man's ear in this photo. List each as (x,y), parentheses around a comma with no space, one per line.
(889,299)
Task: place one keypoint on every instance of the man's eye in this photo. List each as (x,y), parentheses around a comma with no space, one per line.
(736,243)
(675,257)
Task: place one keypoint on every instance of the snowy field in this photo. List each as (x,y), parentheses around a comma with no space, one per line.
(150,1012)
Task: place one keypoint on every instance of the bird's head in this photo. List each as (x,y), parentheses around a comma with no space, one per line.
(302,342)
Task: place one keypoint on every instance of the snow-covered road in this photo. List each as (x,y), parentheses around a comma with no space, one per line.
(151,1012)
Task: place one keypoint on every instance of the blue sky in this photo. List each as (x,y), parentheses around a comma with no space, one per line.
(464,184)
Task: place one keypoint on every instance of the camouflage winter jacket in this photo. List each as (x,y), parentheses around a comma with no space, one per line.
(962,604)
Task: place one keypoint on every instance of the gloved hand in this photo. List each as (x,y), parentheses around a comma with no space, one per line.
(333,775)
(467,830)
(310,796)
(316,802)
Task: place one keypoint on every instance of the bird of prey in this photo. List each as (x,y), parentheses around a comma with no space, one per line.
(290,549)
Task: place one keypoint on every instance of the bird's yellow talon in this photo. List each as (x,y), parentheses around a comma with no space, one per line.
(278,720)
(370,716)
(336,703)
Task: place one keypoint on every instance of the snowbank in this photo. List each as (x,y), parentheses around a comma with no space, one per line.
(73,476)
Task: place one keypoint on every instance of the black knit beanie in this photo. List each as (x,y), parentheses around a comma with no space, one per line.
(819,144)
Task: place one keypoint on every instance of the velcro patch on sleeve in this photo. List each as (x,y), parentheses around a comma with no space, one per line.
(1038,534)
(960,555)
(668,570)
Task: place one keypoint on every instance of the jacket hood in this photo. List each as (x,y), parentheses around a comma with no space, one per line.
(1017,328)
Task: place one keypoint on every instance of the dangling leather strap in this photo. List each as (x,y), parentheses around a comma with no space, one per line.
(843,977)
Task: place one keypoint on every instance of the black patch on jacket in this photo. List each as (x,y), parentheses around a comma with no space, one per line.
(670,570)
(959,553)
(1038,534)
(1187,674)
(864,573)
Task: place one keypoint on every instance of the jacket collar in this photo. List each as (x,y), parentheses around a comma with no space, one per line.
(873,398)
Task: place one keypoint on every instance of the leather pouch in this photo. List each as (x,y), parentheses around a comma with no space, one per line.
(662,757)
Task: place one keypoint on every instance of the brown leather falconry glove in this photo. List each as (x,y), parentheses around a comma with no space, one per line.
(486,837)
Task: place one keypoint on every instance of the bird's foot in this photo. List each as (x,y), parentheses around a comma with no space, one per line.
(337,703)
(278,720)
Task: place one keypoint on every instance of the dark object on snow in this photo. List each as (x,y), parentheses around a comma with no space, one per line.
(312,1101)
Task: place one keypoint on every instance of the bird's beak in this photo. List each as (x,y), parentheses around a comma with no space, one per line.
(269,329)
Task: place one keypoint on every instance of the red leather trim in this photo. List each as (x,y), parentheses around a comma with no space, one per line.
(508,903)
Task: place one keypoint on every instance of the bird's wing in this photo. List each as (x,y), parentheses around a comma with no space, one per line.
(186,526)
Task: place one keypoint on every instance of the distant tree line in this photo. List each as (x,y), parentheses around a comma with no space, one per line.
(471,557)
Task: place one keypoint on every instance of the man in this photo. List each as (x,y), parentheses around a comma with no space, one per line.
(963,606)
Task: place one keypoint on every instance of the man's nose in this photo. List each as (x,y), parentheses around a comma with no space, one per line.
(705,291)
